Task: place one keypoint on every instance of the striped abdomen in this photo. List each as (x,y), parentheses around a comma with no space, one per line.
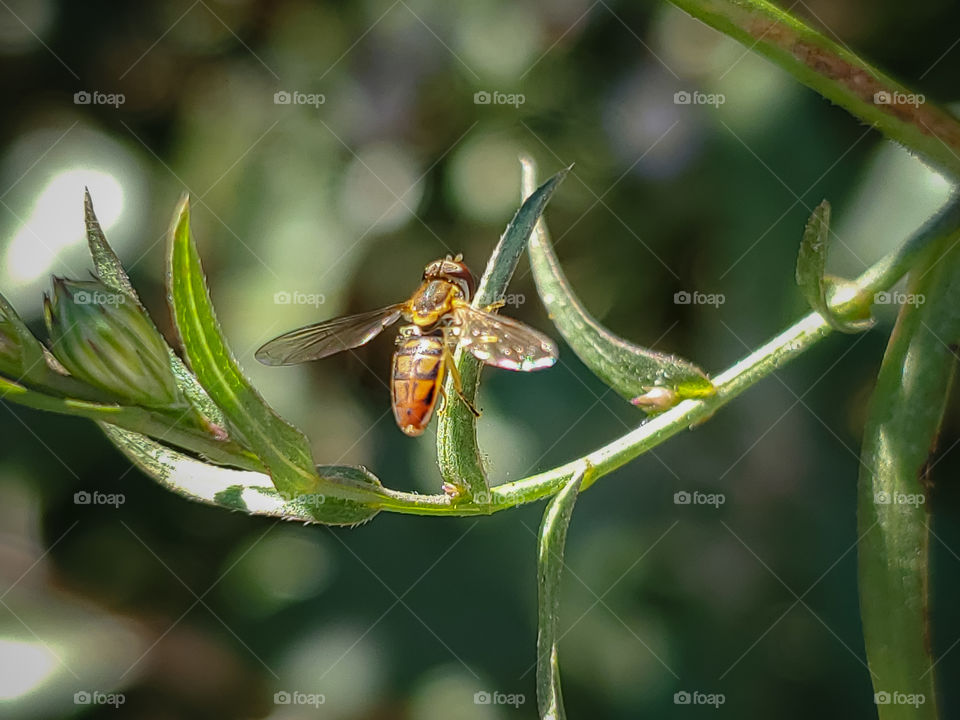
(418,366)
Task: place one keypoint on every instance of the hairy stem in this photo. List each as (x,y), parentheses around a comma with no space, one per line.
(837,74)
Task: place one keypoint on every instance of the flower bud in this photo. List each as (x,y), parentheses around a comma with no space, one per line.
(102,337)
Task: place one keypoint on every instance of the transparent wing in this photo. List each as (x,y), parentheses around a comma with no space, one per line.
(322,339)
(502,342)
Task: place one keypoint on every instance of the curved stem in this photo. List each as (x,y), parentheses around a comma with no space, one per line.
(837,74)
(774,354)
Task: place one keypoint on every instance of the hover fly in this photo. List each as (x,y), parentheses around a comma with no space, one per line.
(439,319)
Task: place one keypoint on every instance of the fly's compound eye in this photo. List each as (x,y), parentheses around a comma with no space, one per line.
(459,273)
(433,270)
(452,270)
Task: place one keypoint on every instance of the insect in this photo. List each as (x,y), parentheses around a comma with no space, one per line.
(439,320)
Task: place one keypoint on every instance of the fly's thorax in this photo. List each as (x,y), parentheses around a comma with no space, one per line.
(433,300)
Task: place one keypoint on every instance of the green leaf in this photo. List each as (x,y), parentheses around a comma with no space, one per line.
(283,449)
(20,351)
(904,417)
(457,452)
(110,271)
(553,536)
(240,490)
(816,285)
(651,380)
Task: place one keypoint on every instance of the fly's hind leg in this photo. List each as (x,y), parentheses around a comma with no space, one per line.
(457,384)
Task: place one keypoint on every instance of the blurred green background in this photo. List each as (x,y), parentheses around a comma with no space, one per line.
(193,612)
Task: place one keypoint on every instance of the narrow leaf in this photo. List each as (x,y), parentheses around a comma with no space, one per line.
(250,492)
(282,448)
(457,452)
(110,271)
(553,536)
(20,352)
(651,380)
(905,414)
(816,285)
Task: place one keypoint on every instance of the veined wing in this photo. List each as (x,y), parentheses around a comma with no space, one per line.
(502,342)
(326,338)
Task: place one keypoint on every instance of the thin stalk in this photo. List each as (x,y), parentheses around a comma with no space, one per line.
(839,75)
(157,424)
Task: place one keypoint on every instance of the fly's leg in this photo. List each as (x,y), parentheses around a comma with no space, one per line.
(457,384)
(492,307)
(455,374)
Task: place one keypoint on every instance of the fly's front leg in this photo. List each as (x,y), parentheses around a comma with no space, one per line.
(492,307)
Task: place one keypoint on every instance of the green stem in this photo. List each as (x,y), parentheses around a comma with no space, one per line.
(837,74)
(167,427)
(761,363)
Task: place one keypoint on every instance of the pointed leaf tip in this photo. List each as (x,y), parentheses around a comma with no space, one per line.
(817,286)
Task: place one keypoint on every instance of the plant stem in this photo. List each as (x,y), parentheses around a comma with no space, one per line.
(774,354)
(164,425)
(837,74)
